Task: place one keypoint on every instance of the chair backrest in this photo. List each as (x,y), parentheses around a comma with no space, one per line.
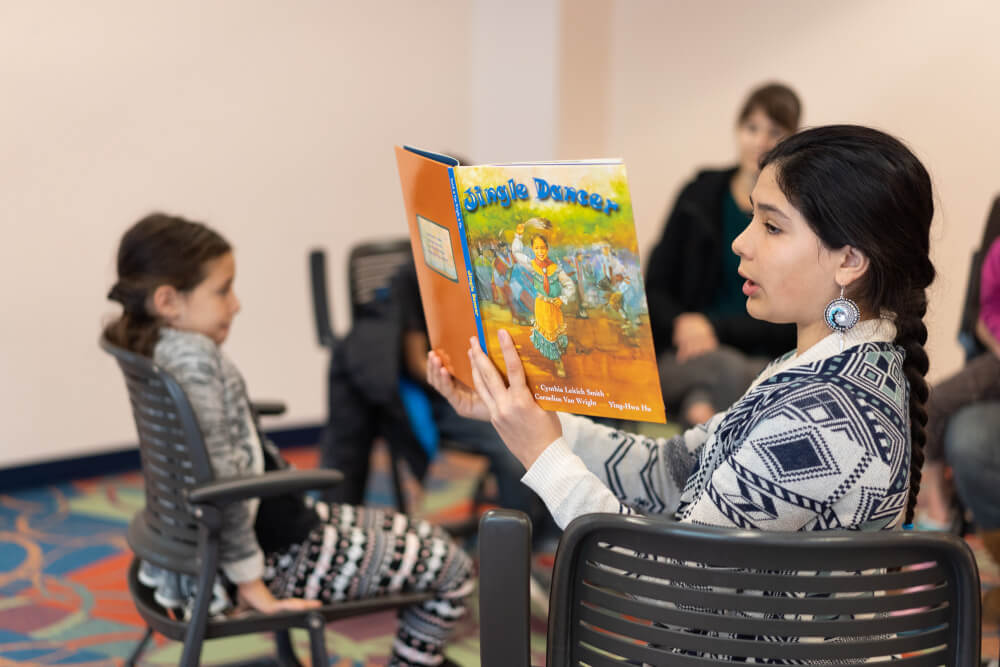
(970,309)
(370,269)
(174,459)
(665,593)
(320,298)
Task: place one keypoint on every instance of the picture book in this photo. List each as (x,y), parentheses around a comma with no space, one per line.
(548,252)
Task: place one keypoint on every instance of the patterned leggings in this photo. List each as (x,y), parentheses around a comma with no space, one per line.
(361,552)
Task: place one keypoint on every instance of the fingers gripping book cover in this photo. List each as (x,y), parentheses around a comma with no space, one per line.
(547,251)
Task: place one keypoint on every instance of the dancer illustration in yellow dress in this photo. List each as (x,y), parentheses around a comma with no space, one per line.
(553,289)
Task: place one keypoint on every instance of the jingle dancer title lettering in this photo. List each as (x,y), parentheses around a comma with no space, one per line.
(509,192)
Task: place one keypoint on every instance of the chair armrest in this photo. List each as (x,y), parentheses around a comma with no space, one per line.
(268,408)
(225,491)
(504,606)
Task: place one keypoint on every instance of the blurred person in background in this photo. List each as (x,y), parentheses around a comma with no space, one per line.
(709,348)
(963,433)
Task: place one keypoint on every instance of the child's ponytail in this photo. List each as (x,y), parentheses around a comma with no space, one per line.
(136,329)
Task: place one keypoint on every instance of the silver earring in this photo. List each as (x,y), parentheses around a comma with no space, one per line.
(841,315)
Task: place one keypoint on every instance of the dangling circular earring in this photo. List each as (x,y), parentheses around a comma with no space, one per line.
(841,314)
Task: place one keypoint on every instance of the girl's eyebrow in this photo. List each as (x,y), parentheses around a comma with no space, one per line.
(770,208)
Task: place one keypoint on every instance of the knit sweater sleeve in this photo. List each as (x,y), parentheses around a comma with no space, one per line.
(595,468)
(794,473)
(197,366)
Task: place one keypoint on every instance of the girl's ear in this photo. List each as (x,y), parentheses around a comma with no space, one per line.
(853,265)
(166,303)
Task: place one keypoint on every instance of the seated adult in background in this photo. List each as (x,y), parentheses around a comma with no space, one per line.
(386,343)
(963,430)
(709,348)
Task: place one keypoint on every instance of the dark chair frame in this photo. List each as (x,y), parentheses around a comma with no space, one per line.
(367,286)
(179,527)
(607,601)
(370,269)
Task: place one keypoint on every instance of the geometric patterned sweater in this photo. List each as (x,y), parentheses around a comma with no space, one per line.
(819,441)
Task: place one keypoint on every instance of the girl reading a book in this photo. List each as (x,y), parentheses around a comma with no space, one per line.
(175,284)
(553,289)
(829,435)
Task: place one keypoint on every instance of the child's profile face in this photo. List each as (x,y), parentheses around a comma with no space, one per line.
(210,307)
(791,275)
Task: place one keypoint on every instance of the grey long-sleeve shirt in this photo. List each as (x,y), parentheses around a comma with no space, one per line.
(218,396)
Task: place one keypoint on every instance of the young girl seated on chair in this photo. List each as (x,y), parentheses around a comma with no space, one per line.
(830,435)
(175,283)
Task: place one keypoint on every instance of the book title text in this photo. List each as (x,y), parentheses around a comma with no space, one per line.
(507,193)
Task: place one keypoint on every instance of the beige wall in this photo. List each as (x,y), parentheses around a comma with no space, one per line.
(275,121)
(272,121)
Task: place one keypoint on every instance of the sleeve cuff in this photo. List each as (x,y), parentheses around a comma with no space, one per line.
(555,473)
(246,569)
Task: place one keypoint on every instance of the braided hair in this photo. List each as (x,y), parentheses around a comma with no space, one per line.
(158,250)
(861,187)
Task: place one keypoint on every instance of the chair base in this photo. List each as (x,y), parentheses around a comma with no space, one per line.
(313,621)
(285,657)
(285,654)
(139,648)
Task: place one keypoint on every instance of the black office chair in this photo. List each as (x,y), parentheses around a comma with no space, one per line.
(630,590)
(178,529)
(370,270)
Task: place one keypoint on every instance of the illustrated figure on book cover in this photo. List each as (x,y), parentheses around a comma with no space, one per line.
(552,288)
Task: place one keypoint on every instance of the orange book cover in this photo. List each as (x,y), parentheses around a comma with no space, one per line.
(547,251)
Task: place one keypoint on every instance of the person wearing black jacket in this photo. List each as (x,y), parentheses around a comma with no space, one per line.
(386,342)
(709,348)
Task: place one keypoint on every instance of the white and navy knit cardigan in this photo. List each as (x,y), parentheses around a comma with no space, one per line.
(820,440)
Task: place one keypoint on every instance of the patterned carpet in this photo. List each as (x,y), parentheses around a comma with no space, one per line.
(63,597)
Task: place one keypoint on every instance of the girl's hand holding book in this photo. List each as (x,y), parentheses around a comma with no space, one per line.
(465,400)
(526,428)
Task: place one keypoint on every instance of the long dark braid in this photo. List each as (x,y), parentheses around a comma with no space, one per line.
(861,187)
(911,334)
